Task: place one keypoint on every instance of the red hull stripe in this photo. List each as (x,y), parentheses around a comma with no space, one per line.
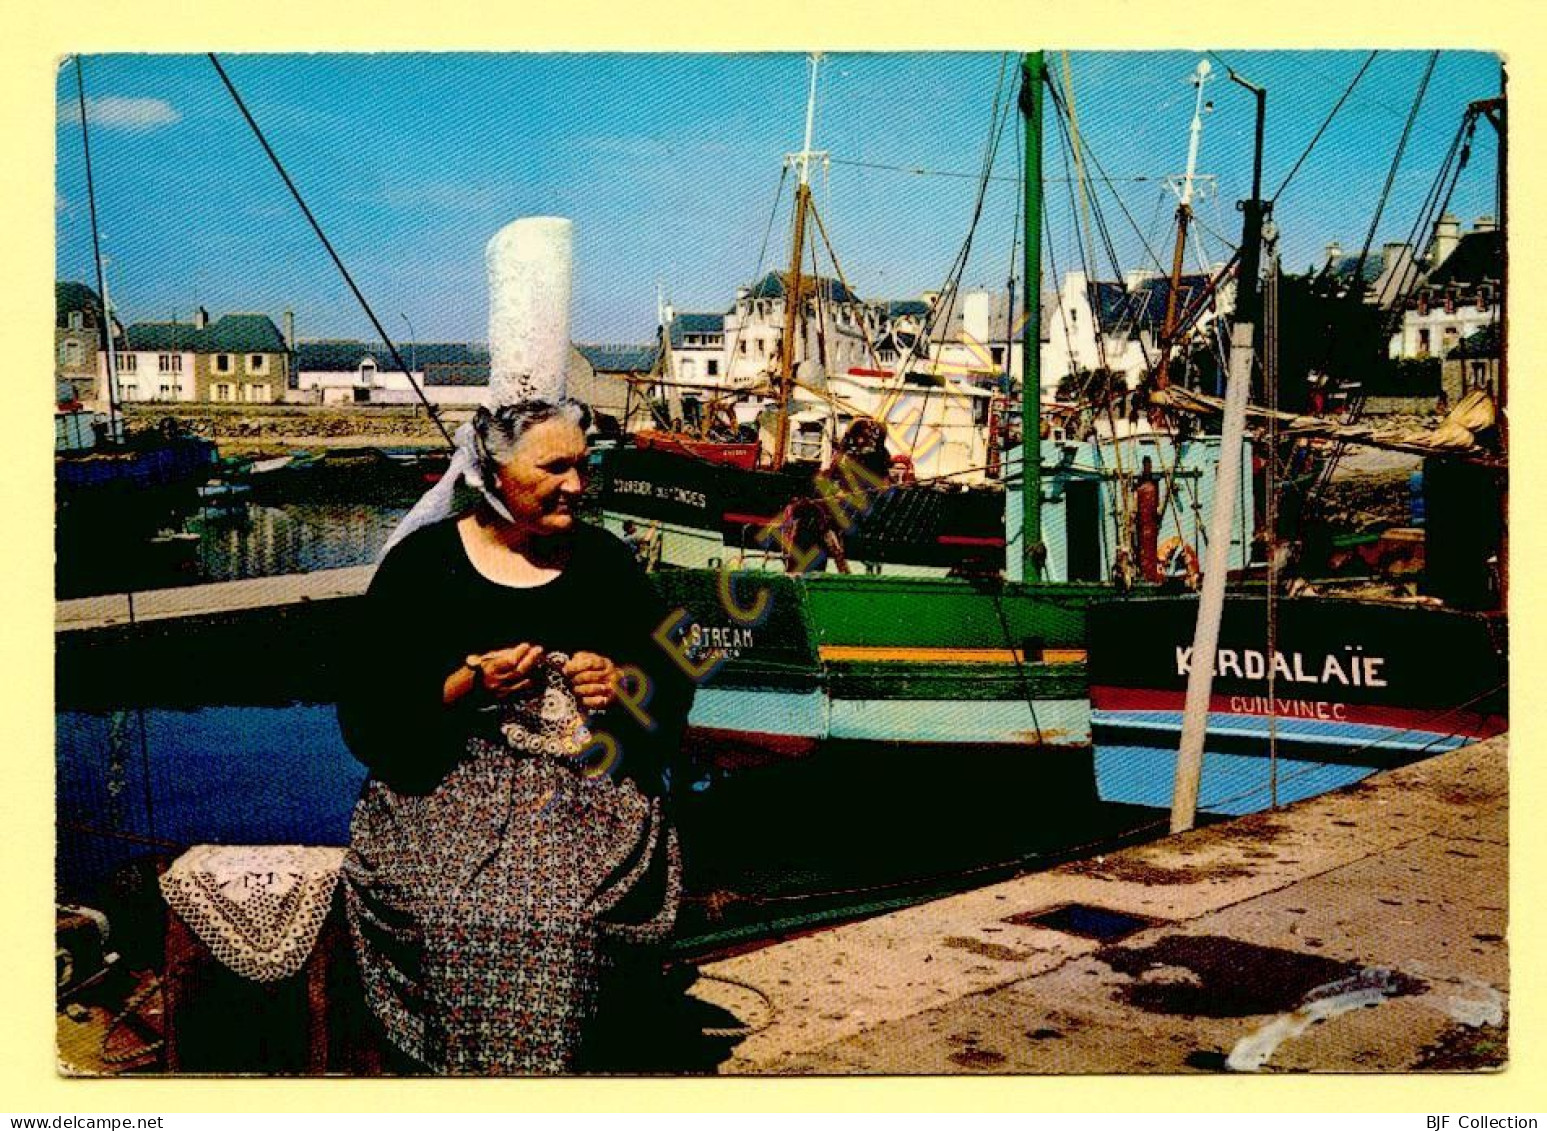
(737,519)
(967,540)
(784,745)
(1439,720)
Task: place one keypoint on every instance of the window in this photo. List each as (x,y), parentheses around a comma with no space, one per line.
(743,347)
(70,355)
(77,320)
(128,362)
(807,441)
(170,362)
(167,392)
(1423,342)
(221,392)
(258,363)
(714,367)
(255,394)
(368,372)
(222,363)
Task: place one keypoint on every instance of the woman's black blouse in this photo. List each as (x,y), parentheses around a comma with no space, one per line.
(428,609)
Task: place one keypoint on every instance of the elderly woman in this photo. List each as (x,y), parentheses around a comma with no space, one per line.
(510,846)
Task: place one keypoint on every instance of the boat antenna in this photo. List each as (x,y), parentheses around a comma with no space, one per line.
(106,321)
(794,288)
(1184,187)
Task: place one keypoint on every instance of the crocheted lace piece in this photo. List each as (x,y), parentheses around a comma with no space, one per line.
(258,908)
(549,724)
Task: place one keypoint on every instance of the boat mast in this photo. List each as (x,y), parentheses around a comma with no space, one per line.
(794,288)
(1033,553)
(96,255)
(1183,217)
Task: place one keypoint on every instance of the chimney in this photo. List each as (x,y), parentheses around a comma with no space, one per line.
(1334,252)
(200,318)
(290,331)
(1447,234)
(1485,223)
(975,316)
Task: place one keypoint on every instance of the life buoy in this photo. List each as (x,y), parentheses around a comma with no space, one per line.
(1170,551)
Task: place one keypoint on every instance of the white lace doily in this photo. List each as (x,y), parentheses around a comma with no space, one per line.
(549,722)
(259,908)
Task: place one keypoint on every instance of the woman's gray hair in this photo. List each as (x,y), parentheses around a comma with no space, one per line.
(482,446)
(496,432)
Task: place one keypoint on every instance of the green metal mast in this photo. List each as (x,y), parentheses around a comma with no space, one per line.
(1033,553)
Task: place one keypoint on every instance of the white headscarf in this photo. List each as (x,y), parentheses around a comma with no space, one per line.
(530,275)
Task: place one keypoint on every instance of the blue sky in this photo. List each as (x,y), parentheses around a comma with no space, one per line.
(668,164)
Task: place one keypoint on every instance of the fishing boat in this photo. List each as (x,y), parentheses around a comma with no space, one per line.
(1349,687)
(992,657)
(1309,694)
(1081,642)
(99,466)
(759,438)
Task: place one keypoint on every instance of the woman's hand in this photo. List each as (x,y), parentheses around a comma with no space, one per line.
(507,671)
(593,679)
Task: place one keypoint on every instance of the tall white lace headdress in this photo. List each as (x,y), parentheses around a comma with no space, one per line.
(530,264)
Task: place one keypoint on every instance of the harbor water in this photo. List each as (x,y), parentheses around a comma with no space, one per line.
(768,849)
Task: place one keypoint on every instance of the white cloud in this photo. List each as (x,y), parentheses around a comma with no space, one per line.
(115,112)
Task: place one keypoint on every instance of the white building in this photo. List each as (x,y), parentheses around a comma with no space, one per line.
(837,327)
(1117,326)
(975,337)
(156,363)
(697,354)
(1459,293)
(938,421)
(351,372)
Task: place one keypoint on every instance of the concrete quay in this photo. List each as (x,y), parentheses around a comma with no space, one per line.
(214,598)
(1363,931)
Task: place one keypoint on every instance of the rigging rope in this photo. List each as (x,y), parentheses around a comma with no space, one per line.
(106,320)
(1391,175)
(1356,283)
(397,358)
(762,255)
(1095,160)
(1122,514)
(1317,136)
(918,171)
(1270,489)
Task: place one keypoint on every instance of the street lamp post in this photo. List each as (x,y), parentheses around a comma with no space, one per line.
(413,352)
